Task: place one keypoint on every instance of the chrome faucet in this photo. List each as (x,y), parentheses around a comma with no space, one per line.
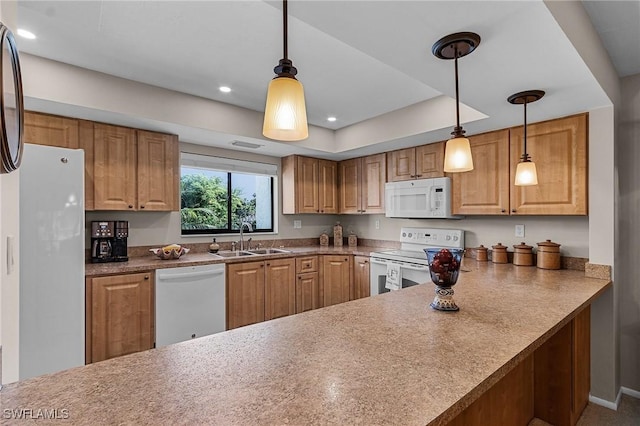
(249,228)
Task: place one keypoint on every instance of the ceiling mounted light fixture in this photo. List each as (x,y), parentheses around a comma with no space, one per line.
(285,114)
(526,174)
(457,154)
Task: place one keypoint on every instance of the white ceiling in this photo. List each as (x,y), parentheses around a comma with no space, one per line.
(618,24)
(357,59)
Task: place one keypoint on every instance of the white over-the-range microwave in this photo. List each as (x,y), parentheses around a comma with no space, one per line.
(421,198)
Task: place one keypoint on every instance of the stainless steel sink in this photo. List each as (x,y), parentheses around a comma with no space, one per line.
(268,251)
(236,253)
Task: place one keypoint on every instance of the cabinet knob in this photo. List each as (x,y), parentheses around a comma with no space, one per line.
(262,266)
(418,175)
(345,259)
(317,211)
(503,211)
(142,207)
(130,206)
(513,210)
(146,277)
(321,211)
(268,264)
(412,176)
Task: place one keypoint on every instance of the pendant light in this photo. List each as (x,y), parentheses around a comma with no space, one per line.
(457,154)
(526,174)
(285,114)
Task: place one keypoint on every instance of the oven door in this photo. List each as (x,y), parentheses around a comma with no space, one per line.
(412,274)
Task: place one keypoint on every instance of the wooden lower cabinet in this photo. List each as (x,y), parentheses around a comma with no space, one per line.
(562,373)
(307,284)
(552,384)
(259,291)
(245,294)
(335,279)
(120,315)
(280,288)
(361,268)
(307,287)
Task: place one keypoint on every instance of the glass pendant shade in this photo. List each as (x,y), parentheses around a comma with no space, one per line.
(457,156)
(526,174)
(285,114)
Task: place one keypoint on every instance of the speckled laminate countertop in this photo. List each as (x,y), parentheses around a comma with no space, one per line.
(387,359)
(137,264)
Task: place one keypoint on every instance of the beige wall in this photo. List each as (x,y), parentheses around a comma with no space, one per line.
(628,148)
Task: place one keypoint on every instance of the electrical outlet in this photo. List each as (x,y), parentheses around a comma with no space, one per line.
(297,224)
(520,231)
(377,224)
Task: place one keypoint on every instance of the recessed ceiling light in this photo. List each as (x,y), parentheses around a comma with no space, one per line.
(225,89)
(26,34)
(332,119)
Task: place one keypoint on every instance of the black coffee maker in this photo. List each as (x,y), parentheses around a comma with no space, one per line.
(109,241)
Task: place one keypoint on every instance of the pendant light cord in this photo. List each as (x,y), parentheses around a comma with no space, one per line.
(457,90)
(525,156)
(286,28)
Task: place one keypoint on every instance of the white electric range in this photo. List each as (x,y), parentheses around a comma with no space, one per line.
(414,268)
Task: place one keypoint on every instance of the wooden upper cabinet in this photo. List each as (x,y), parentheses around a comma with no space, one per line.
(335,279)
(115,186)
(362,184)
(120,315)
(401,165)
(485,189)
(245,294)
(158,166)
(328,186)
(350,187)
(425,161)
(430,160)
(559,150)
(51,130)
(374,176)
(309,185)
(280,288)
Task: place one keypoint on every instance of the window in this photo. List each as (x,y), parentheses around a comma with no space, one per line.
(219,194)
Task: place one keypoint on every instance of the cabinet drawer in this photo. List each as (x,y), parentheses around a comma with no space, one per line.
(306,264)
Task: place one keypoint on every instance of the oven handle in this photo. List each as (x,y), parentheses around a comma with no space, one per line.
(403,265)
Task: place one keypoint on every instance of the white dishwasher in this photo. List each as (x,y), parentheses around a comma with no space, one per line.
(190,303)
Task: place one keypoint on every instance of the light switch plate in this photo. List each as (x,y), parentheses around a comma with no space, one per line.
(520,231)
(377,224)
(297,224)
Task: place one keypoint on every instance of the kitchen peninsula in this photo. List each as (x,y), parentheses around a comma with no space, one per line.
(387,359)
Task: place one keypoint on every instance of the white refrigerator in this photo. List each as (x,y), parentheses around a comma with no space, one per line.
(52,228)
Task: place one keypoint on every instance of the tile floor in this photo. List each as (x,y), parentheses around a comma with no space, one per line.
(628,414)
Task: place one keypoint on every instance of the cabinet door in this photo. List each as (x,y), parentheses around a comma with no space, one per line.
(350,188)
(559,149)
(245,294)
(401,165)
(121,315)
(50,130)
(280,288)
(430,160)
(158,171)
(307,185)
(114,168)
(307,287)
(328,186)
(374,176)
(485,189)
(361,286)
(335,282)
